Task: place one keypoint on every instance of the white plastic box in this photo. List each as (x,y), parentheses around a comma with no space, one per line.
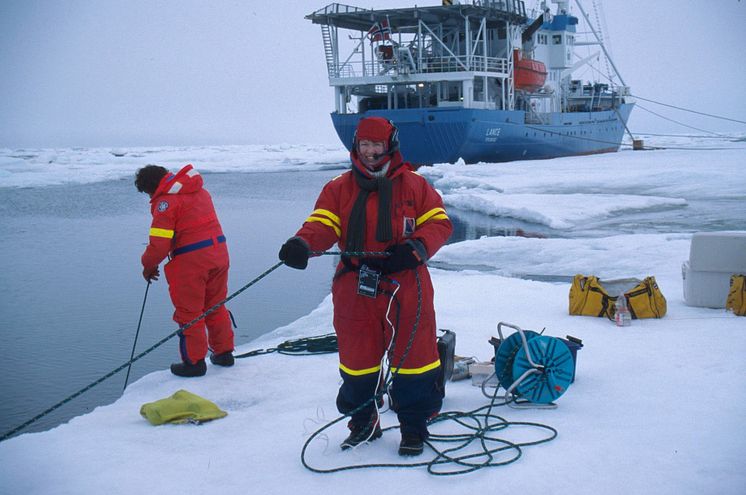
(713,258)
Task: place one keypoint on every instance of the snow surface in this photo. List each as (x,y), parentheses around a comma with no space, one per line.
(656,407)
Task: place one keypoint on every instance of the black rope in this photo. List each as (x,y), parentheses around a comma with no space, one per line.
(307,346)
(611,81)
(677,122)
(137,333)
(689,110)
(165,339)
(700,136)
(645,147)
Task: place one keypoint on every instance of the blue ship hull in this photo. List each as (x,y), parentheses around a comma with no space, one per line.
(443,135)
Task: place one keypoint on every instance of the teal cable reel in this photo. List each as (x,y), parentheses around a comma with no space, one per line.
(535,370)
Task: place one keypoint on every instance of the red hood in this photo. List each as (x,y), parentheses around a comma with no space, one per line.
(186,181)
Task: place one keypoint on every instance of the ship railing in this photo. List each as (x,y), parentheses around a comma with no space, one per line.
(347,70)
(409,65)
(489,64)
(337,8)
(513,6)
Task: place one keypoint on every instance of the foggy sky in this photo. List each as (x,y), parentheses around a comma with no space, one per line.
(191,72)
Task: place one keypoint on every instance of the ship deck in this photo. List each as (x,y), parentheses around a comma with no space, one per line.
(405,19)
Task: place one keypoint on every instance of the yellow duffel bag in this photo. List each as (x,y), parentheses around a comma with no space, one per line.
(736,301)
(589,297)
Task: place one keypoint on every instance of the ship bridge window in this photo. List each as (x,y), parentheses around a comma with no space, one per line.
(557,39)
(542,39)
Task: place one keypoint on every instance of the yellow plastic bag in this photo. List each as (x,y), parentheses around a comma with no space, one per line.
(736,300)
(182,407)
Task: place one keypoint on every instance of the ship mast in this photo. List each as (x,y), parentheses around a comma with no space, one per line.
(600,41)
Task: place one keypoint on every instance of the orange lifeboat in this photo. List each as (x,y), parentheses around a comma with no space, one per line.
(529,74)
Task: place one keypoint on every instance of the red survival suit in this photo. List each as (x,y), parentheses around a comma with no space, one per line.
(363,333)
(186,227)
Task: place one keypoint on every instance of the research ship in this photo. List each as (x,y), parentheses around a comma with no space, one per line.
(481,81)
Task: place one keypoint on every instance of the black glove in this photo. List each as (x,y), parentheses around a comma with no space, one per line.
(151,274)
(404,257)
(295,253)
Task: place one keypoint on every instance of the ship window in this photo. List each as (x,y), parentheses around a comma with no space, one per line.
(557,39)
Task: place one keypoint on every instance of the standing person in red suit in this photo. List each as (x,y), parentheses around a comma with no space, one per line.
(186,228)
(381,204)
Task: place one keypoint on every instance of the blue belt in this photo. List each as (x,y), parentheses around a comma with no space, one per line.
(197,245)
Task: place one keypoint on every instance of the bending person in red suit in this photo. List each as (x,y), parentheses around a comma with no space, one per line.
(185,228)
(381,204)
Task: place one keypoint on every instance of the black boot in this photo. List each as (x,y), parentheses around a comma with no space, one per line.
(360,433)
(189,370)
(223,359)
(411,444)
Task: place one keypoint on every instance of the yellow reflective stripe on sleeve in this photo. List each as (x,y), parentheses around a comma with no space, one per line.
(155,232)
(326,222)
(416,371)
(440,212)
(366,371)
(326,213)
(440,217)
(327,218)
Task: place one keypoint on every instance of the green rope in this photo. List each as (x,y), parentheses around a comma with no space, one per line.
(481,426)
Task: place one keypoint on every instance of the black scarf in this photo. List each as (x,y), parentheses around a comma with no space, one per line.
(356,225)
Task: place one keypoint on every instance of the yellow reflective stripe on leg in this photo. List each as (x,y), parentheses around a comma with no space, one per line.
(416,371)
(366,371)
(435,211)
(168,234)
